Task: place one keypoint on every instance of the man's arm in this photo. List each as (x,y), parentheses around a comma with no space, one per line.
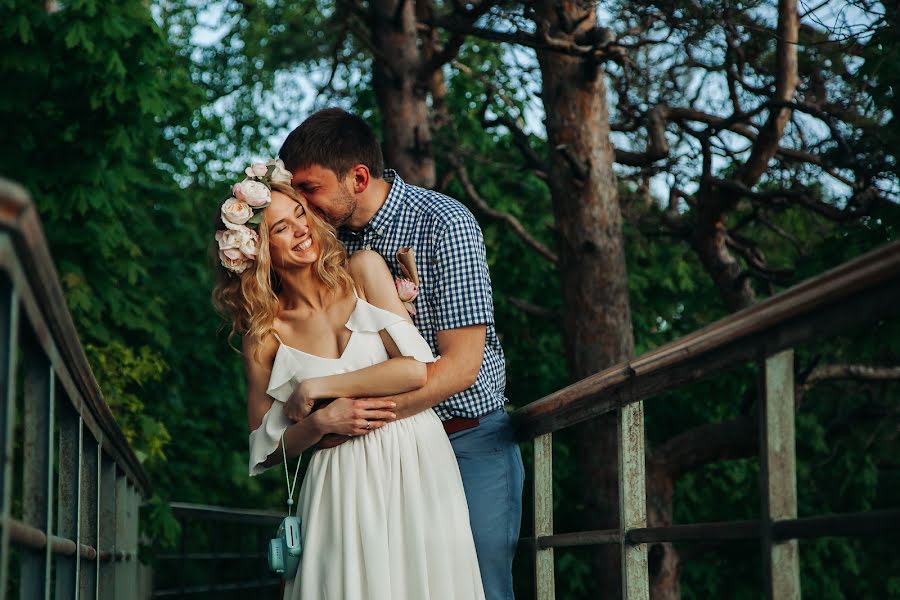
(461,351)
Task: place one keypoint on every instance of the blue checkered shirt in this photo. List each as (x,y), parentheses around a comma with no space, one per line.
(454,283)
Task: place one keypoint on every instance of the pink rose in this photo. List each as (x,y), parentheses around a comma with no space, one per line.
(254,193)
(235,211)
(249,243)
(233,260)
(256,170)
(242,240)
(408,291)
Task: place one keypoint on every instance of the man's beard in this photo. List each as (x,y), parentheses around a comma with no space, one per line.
(344,205)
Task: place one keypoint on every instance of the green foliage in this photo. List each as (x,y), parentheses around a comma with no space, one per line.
(127,130)
(124,373)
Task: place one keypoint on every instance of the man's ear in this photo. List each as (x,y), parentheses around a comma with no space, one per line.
(361,178)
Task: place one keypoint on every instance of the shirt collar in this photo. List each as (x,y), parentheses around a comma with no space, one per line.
(389,209)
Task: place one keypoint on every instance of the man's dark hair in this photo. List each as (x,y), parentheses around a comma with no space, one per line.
(334,139)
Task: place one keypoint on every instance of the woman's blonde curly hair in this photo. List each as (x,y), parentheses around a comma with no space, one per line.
(249,300)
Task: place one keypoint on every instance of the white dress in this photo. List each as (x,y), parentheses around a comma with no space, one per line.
(384,515)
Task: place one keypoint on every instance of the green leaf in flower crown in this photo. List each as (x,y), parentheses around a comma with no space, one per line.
(256,219)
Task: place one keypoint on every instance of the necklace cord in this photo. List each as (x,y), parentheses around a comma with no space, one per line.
(290,486)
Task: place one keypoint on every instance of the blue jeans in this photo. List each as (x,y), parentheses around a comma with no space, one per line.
(493,475)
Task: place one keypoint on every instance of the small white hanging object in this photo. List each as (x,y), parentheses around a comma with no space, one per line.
(290,485)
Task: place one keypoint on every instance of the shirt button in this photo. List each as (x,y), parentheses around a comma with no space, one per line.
(367,247)
(381,231)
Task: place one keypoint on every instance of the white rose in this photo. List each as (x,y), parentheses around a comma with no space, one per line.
(279,173)
(235,211)
(254,193)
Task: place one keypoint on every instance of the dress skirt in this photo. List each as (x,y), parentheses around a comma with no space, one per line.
(384,517)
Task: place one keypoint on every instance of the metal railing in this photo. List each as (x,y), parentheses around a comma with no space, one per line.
(221,551)
(70,484)
(855,293)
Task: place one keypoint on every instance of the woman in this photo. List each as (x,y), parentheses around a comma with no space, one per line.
(383,515)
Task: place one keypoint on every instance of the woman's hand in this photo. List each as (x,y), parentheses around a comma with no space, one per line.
(351,416)
(301,401)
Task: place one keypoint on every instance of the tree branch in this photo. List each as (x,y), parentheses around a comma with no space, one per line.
(657,144)
(517,227)
(786,79)
(704,444)
(851,372)
(538,41)
(534,310)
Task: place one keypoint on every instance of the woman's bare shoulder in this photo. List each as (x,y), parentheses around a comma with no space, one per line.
(369,270)
(267,348)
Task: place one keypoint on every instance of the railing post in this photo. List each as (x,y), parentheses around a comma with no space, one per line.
(545,586)
(37,490)
(87,580)
(632,500)
(124,587)
(9,333)
(781,560)
(67,504)
(108,532)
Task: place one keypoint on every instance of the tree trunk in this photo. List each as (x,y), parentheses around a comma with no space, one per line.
(663,562)
(597,317)
(401,93)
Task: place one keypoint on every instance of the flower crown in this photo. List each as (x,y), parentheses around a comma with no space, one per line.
(238,243)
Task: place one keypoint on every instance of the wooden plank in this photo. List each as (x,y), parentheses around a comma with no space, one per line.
(9,328)
(577,538)
(37,470)
(67,505)
(108,532)
(856,292)
(778,474)
(87,576)
(545,585)
(135,569)
(124,586)
(697,532)
(872,523)
(632,500)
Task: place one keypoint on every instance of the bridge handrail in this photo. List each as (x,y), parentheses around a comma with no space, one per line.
(20,221)
(814,308)
(856,292)
(70,483)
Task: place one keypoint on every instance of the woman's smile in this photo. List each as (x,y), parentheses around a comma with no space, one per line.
(303,246)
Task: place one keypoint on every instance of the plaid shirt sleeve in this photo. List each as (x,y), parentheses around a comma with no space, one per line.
(462,288)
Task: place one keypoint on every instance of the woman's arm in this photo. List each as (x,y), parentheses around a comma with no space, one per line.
(343,416)
(397,375)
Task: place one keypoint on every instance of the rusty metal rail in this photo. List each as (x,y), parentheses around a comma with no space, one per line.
(70,485)
(855,293)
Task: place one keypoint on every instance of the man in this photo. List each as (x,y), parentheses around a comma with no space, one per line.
(336,164)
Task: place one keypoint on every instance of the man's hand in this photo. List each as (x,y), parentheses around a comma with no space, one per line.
(462,351)
(352,416)
(300,403)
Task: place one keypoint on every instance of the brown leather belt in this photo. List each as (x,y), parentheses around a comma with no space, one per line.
(460,424)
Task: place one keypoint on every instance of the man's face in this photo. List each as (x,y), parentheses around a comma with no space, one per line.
(326,194)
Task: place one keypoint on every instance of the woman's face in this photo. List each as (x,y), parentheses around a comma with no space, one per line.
(290,242)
